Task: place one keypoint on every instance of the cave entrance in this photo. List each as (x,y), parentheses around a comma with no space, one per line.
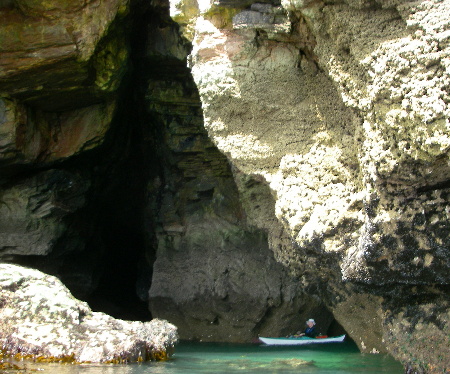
(117,292)
(121,245)
(134,169)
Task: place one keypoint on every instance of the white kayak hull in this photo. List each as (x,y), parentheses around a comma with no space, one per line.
(301,341)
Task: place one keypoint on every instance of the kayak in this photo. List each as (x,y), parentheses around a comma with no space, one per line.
(302,340)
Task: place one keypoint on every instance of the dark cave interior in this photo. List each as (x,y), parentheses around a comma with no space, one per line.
(132,160)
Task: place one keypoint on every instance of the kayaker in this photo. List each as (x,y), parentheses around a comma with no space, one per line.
(310,330)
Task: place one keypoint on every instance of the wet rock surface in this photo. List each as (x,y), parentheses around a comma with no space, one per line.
(40,318)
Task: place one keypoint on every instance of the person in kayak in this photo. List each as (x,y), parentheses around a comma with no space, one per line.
(310,330)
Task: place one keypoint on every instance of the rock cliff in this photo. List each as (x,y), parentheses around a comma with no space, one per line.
(342,109)
(238,166)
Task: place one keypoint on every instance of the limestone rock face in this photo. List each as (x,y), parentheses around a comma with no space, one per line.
(345,117)
(396,80)
(40,317)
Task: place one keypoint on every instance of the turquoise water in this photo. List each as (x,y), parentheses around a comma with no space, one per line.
(338,358)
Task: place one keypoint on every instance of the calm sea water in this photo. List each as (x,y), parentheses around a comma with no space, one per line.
(191,358)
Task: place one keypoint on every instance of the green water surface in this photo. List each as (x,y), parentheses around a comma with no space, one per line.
(338,358)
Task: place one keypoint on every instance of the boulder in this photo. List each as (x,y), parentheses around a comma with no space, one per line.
(40,318)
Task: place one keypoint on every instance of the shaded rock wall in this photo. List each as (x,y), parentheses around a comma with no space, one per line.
(214,275)
(67,144)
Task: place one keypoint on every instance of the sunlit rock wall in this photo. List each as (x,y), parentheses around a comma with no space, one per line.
(342,110)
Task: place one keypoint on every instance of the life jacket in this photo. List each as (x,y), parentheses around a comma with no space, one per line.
(311,332)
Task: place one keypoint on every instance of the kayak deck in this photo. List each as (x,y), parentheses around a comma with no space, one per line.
(301,341)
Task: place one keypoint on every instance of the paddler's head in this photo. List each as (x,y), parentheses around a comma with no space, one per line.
(310,323)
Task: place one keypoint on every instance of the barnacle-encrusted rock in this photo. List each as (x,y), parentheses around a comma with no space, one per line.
(40,318)
(346,118)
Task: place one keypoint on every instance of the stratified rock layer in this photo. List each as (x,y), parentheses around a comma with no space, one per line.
(57,90)
(67,58)
(40,318)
